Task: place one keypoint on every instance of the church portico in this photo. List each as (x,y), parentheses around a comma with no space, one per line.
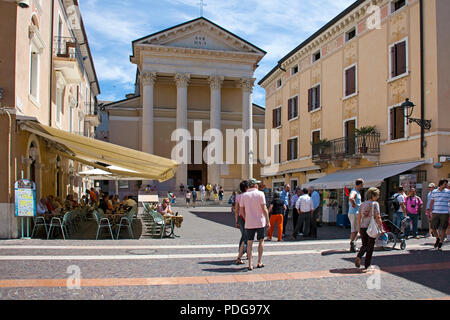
(193,72)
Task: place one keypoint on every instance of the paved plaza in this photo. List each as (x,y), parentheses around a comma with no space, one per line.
(199,265)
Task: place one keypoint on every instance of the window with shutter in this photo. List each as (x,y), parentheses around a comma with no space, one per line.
(397,123)
(289,150)
(350,81)
(401,57)
(398,54)
(292,151)
(310,97)
(276,121)
(317,97)
(274,118)
(292,108)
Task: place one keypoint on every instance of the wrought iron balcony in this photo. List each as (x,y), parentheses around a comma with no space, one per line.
(347,147)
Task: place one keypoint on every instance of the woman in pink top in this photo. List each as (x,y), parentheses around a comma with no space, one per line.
(413,207)
(240,222)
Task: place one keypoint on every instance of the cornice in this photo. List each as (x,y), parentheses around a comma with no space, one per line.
(330,34)
(160,50)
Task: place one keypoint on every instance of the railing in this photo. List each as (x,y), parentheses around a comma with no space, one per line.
(90,108)
(67,47)
(347,147)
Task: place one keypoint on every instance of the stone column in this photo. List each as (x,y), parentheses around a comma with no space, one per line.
(215,122)
(148,81)
(247,115)
(182,80)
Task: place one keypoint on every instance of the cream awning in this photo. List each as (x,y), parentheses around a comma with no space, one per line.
(130,162)
(372,176)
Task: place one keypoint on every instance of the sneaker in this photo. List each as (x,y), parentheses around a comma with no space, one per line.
(437,243)
(417,237)
(358,262)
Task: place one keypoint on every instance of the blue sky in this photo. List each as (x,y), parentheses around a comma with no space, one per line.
(276,26)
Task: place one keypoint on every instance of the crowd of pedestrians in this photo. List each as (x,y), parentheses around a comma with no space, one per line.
(406,211)
(255,217)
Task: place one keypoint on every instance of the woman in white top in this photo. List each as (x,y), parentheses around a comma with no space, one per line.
(188,197)
(368,209)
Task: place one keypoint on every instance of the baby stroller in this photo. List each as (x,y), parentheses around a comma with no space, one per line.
(393,234)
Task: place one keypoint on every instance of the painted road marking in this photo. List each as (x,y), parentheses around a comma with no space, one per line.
(194,246)
(174,256)
(126,282)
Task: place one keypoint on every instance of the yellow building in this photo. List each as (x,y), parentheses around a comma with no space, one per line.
(192,72)
(47,76)
(353,73)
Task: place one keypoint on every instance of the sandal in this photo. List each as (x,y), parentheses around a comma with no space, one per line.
(239,261)
(250,268)
(260,266)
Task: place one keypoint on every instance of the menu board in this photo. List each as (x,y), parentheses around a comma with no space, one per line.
(25,195)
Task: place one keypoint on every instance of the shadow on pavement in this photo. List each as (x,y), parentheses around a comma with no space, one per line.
(330,252)
(224,263)
(347,271)
(221,217)
(430,268)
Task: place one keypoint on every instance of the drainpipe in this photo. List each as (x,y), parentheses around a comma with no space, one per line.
(51,67)
(422,84)
(5,110)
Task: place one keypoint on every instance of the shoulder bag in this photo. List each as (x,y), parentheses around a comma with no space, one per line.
(373,230)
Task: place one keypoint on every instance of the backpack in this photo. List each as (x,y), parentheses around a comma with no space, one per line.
(395,206)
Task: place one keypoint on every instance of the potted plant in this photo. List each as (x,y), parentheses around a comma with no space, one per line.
(364,132)
(321,145)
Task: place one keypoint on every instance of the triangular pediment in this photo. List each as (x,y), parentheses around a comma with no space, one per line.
(200,34)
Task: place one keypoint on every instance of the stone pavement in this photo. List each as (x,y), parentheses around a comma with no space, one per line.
(200,266)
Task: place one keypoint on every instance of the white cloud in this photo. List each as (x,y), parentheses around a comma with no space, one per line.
(276,26)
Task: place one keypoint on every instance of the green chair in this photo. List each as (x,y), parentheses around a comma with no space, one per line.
(102,223)
(158,223)
(126,221)
(57,223)
(39,221)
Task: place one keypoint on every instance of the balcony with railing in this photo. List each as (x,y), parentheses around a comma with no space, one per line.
(347,147)
(68,59)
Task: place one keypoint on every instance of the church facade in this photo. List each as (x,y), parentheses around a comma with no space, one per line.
(195,76)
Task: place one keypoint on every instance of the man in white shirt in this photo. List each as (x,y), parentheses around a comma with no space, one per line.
(305,209)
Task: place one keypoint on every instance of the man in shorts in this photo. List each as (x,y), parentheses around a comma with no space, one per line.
(440,201)
(354,202)
(254,211)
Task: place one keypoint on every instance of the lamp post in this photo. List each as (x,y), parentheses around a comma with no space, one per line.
(408,109)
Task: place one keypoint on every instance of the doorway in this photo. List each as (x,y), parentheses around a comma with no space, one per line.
(197,173)
(350,137)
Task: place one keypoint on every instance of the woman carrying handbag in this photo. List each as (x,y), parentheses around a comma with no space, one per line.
(370,226)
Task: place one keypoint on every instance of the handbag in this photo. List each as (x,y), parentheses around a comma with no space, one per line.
(373,230)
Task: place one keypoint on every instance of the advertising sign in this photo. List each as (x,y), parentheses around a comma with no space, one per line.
(408,181)
(25,195)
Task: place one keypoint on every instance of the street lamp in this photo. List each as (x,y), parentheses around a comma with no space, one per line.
(408,109)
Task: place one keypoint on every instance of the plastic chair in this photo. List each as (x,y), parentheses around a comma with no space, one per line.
(126,221)
(39,221)
(102,223)
(159,222)
(56,222)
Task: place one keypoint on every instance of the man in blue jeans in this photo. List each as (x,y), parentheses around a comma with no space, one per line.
(400,197)
(284,196)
